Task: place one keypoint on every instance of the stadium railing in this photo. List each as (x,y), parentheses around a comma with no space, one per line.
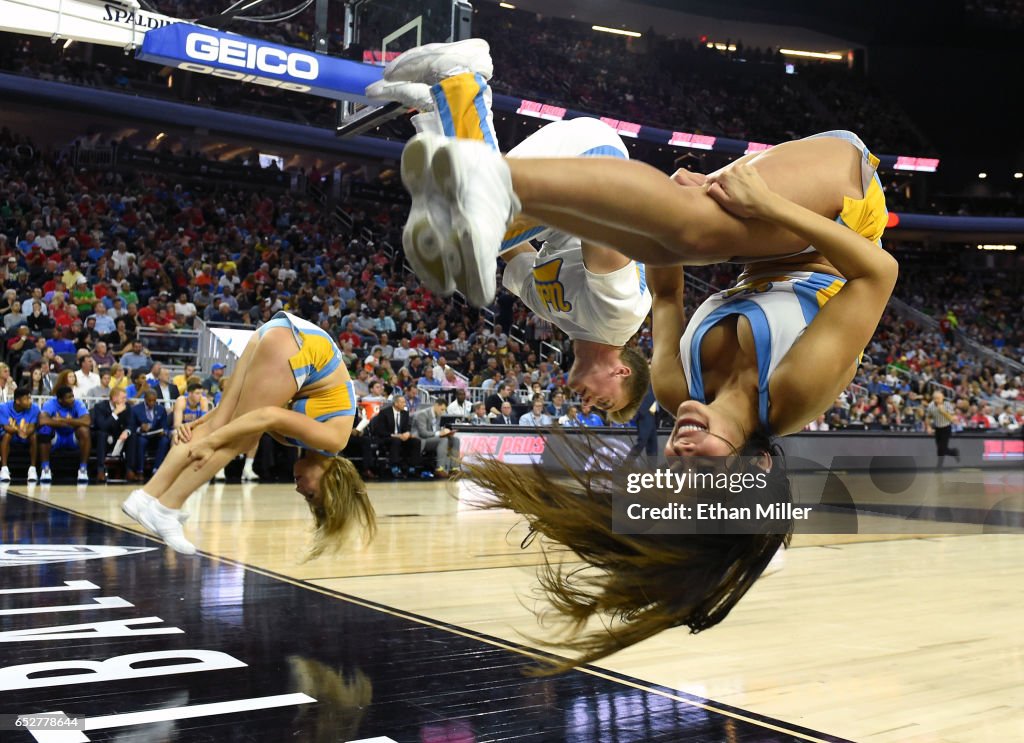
(170,344)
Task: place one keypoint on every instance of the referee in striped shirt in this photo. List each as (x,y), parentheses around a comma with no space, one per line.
(940,419)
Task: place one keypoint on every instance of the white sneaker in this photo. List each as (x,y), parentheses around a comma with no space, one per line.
(5,474)
(221,475)
(83,476)
(249,476)
(166,524)
(32,476)
(135,507)
(432,63)
(47,476)
(477,185)
(413,95)
(428,228)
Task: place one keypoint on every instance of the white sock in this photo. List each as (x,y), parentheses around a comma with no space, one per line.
(248,463)
(427,121)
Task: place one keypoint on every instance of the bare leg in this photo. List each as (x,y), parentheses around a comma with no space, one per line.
(177,458)
(84,443)
(174,463)
(586,196)
(265,380)
(191,479)
(601,260)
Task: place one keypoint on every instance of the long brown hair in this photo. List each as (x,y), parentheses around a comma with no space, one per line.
(343,695)
(342,508)
(634,585)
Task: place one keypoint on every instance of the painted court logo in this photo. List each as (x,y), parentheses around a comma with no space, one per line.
(39,554)
(549,288)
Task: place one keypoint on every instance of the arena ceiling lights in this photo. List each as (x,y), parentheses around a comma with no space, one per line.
(833,56)
(619,31)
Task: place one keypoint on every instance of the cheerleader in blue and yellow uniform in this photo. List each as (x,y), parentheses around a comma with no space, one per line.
(289,383)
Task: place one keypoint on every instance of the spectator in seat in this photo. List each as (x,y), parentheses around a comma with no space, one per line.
(20,420)
(495,401)
(136,358)
(7,384)
(138,386)
(181,381)
(87,381)
(504,415)
(15,317)
(392,429)
(149,427)
(588,416)
(426,425)
(558,406)
(101,355)
(212,383)
(536,415)
(20,344)
(110,419)
(64,423)
(479,416)
(460,406)
(189,408)
(38,321)
(104,322)
(166,391)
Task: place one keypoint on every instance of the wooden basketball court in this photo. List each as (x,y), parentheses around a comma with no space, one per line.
(423,635)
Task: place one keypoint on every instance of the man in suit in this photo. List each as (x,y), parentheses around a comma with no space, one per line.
(495,401)
(110,420)
(166,390)
(149,427)
(504,416)
(426,424)
(392,430)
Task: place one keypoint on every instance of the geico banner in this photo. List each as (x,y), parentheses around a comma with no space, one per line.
(233,57)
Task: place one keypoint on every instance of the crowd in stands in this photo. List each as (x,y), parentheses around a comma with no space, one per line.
(673,84)
(681,83)
(905,364)
(90,257)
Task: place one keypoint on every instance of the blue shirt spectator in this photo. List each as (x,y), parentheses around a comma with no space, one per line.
(587,417)
(54,409)
(11,416)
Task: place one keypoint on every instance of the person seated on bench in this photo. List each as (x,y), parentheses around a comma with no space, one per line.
(149,432)
(64,423)
(111,419)
(20,419)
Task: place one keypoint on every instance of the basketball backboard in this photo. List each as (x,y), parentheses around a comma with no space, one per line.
(383,29)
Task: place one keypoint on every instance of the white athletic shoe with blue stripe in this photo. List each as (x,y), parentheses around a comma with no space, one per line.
(413,95)
(432,63)
(428,230)
(474,183)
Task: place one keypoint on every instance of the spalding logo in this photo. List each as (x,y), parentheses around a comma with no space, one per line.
(40,554)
